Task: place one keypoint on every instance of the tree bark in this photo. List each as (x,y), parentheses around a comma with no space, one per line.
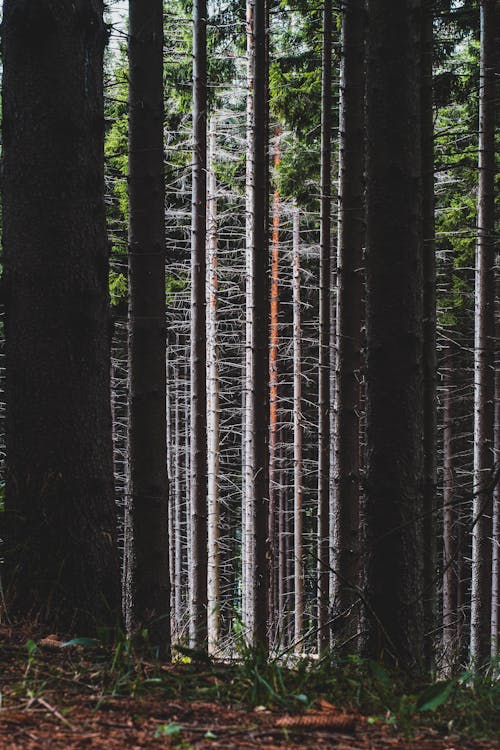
(349,321)
(298,553)
(150,575)
(429,342)
(61,561)
(324,335)
(273,392)
(450,512)
(257,335)
(393,506)
(198,604)
(213,431)
(484,334)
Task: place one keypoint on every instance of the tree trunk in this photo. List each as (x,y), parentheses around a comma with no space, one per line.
(273,392)
(257,334)
(429,342)
(150,578)
(213,584)
(198,609)
(394,626)
(484,333)
(61,561)
(324,334)
(495,536)
(298,554)
(450,513)
(178,509)
(349,320)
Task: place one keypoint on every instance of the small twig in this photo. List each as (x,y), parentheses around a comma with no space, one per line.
(55,713)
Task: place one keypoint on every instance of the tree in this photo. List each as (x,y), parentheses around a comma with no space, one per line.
(274,599)
(255,498)
(60,554)
(324,332)
(484,334)
(393,505)
(148,488)
(298,510)
(198,605)
(349,320)
(213,426)
(429,335)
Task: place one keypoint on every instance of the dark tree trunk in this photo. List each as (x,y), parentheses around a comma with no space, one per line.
(324,334)
(199,554)
(150,582)
(429,342)
(349,322)
(394,337)
(451,509)
(257,326)
(484,348)
(495,534)
(61,561)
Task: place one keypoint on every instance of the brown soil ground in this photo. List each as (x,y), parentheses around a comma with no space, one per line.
(52,703)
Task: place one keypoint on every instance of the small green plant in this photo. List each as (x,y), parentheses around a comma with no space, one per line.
(168,730)
(174,732)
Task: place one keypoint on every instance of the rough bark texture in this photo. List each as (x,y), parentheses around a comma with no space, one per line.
(394,624)
(213,430)
(450,550)
(324,334)
(198,598)
(495,535)
(274,394)
(429,342)
(150,580)
(298,521)
(61,564)
(257,327)
(484,347)
(349,320)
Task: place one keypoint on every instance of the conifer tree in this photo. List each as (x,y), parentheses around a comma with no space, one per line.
(61,561)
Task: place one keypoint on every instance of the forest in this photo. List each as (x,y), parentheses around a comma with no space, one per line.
(249,390)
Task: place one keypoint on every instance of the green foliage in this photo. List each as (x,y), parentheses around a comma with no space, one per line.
(168,730)
(174,285)
(84,642)
(118,288)
(296,95)
(297,176)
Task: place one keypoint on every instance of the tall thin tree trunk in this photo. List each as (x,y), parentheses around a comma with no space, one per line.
(282,549)
(429,343)
(495,535)
(324,335)
(247,511)
(170,416)
(348,323)
(150,580)
(257,334)
(59,525)
(484,374)
(393,506)
(178,525)
(198,604)
(450,515)
(298,554)
(273,390)
(213,584)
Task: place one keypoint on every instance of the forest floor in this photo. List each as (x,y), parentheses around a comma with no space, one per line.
(88,697)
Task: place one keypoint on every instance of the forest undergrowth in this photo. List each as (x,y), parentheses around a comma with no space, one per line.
(86,693)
